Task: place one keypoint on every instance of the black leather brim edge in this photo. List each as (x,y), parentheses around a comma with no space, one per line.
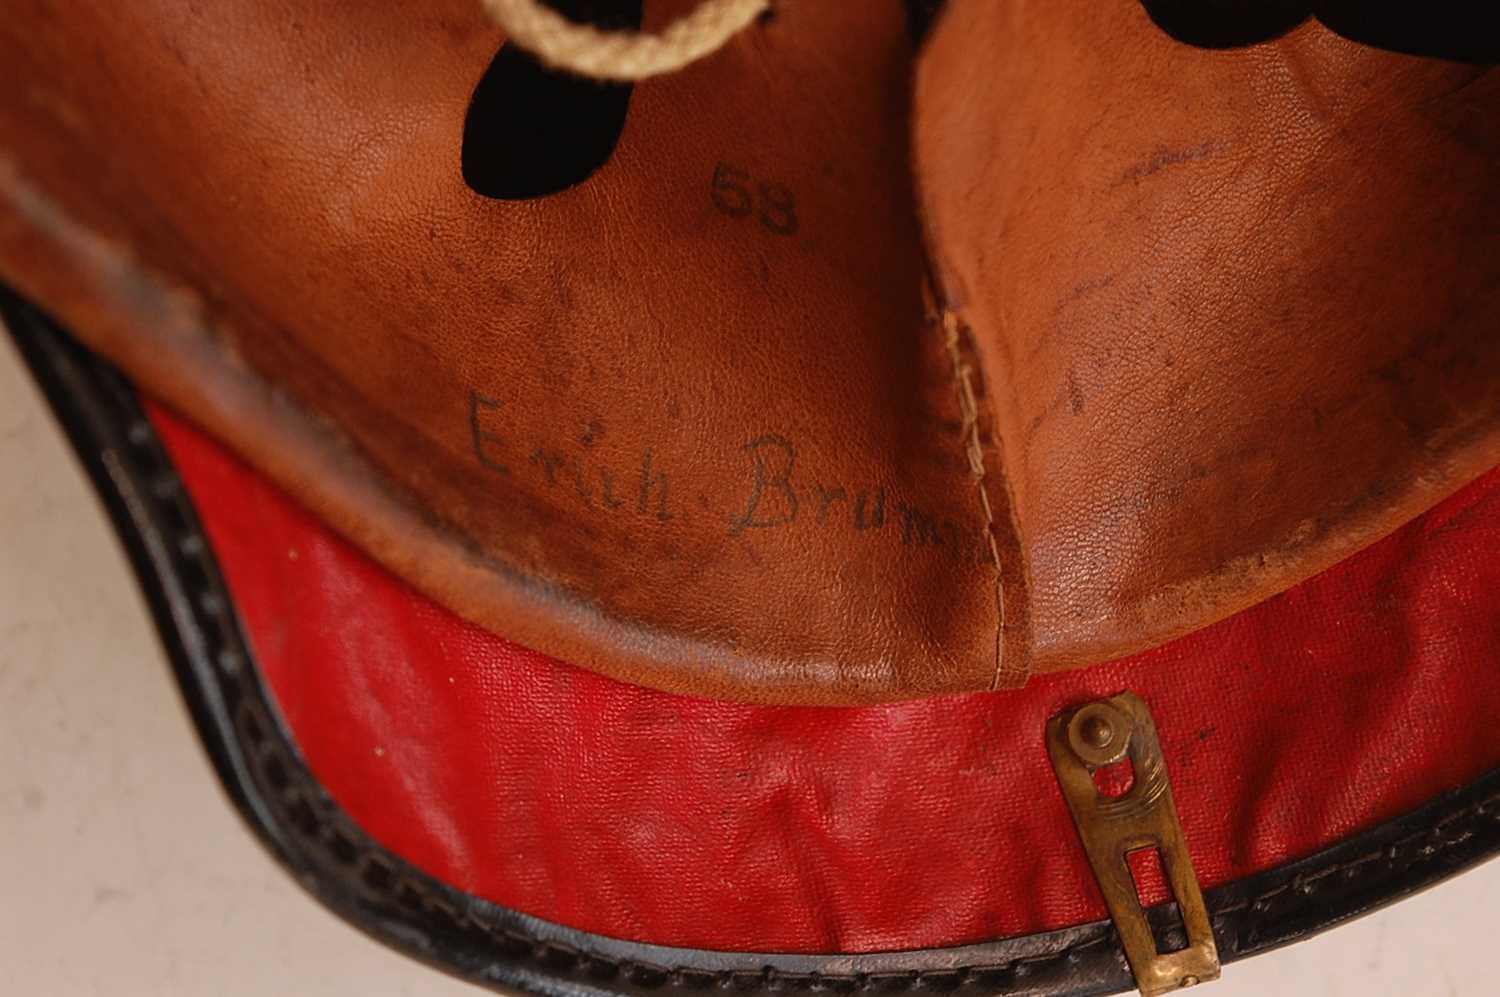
(321,847)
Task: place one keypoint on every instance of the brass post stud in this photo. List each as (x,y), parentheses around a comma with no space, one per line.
(1099,734)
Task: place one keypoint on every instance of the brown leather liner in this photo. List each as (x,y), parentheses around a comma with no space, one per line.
(1237,309)
(687,424)
(711,450)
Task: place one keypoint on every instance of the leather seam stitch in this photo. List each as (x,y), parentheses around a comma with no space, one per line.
(974,451)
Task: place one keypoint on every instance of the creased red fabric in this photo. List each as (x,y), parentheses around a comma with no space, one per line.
(633,813)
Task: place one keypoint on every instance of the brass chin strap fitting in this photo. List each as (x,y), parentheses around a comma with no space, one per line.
(1111,732)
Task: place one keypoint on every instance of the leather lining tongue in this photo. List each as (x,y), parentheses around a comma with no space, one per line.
(1234,307)
(685,422)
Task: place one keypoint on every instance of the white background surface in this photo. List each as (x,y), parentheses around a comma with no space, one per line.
(124,870)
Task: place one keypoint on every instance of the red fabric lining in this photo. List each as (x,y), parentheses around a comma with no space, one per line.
(655,817)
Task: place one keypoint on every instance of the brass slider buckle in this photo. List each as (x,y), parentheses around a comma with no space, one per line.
(1090,738)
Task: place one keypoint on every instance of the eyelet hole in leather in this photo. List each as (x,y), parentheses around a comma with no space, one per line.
(1458,32)
(531,131)
(1227,23)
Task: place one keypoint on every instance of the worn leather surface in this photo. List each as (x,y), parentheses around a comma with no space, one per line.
(660,818)
(1232,313)
(696,443)
(1236,307)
